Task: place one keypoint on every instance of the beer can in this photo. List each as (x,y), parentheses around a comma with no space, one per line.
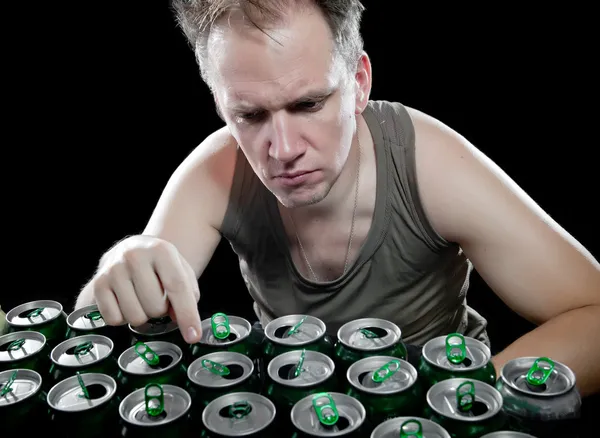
(507,434)
(3,323)
(88,321)
(238,414)
(84,405)
(540,396)
(22,400)
(44,316)
(411,427)
(386,386)
(456,356)
(223,332)
(158,329)
(329,414)
(465,408)
(26,349)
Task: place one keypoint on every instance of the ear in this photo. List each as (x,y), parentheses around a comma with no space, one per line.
(363,80)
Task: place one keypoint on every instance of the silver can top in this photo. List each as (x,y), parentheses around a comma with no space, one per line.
(155,327)
(464,399)
(221,369)
(19,345)
(456,353)
(153,357)
(34,313)
(507,434)
(541,377)
(82,351)
(391,428)
(381,375)
(300,368)
(155,405)
(18,386)
(238,414)
(86,318)
(69,395)
(295,330)
(239,329)
(328,414)
(369,334)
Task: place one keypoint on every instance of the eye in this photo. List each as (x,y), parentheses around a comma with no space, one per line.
(250,117)
(312,105)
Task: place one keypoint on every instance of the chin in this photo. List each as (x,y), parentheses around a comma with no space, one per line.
(302,197)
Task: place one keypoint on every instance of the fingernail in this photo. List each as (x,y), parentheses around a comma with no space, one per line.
(192,334)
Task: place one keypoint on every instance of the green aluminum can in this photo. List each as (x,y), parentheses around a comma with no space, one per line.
(22,400)
(88,321)
(409,427)
(158,329)
(25,349)
(223,332)
(44,316)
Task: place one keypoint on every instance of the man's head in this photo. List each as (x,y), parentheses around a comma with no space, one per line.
(289,78)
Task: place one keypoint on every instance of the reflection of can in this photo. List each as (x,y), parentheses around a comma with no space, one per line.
(237,337)
(25,349)
(22,400)
(240,414)
(158,329)
(540,396)
(88,321)
(507,434)
(465,408)
(387,387)
(411,427)
(84,408)
(44,316)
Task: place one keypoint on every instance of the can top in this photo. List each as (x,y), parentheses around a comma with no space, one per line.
(381,375)
(239,329)
(507,434)
(238,414)
(155,327)
(144,407)
(369,334)
(82,351)
(300,368)
(221,369)
(19,345)
(391,428)
(18,385)
(464,399)
(34,313)
(440,352)
(295,330)
(86,318)
(151,357)
(81,392)
(541,377)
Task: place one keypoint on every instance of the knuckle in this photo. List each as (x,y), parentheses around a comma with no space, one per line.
(157,310)
(137,320)
(112,319)
(174,283)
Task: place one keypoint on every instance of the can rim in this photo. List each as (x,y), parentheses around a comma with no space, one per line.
(359,363)
(440,341)
(74,341)
(27,334)
(34,375)
(77,313)
(152,344)
(396,422)
(237,357)
(139,394)
(563,368)
(32,305)
(85,376)
(397,331)
(273,325)
(135,329)
(309,354)
(233,320)
(507,434)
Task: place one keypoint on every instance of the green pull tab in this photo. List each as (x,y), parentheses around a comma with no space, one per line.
(220,325)
(325,408)
(35,312)
(215,368)
(239,409)
(83,348)
(368,333)
(149,356)
(538,374)
(298,369)
(411,428)
(294,329)
(155,403)
(15,345)
(455,348)
(94,316)
(386,371)
(465,396)
(85,394)
(7,387)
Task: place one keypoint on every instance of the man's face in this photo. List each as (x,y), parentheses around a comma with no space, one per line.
(289,102)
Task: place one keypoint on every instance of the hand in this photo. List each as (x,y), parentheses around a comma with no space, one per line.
(144,277)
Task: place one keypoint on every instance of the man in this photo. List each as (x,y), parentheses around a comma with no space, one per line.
(342,207)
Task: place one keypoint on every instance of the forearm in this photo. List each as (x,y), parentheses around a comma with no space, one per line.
(572,338)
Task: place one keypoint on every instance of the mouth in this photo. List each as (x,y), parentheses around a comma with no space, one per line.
(295,178)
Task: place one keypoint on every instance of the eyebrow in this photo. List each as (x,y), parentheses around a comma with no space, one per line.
(311,96)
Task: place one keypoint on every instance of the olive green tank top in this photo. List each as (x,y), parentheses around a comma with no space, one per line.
(405,272)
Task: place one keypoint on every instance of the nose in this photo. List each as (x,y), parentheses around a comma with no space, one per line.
(286,144)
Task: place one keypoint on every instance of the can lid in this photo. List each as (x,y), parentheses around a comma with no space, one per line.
(81,392)
(153,357)
(413,427)
(295,330)
(507,434)
(238,330)
(155,327)
(238,414)
(82,351)
(538,376)
(369,334)
(456,352)
(86,318)
(155,405)
(221,369)
(464,400)
(328,414)
(300,368)
(381,375)
(19,345)
(34,313)
(18,385)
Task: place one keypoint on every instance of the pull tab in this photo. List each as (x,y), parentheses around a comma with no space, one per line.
(215,368)
(149,356)
(294,329)
(35,312)
(15,345)
(85,394)
(325,408)
(455,348)
(414,429)
(298,369)
(220,325)
(94,315)
(386,371)
(465,396)
(533,375)
(239,409)
(84,348)
(368,333)
(155,403)
(7,387)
